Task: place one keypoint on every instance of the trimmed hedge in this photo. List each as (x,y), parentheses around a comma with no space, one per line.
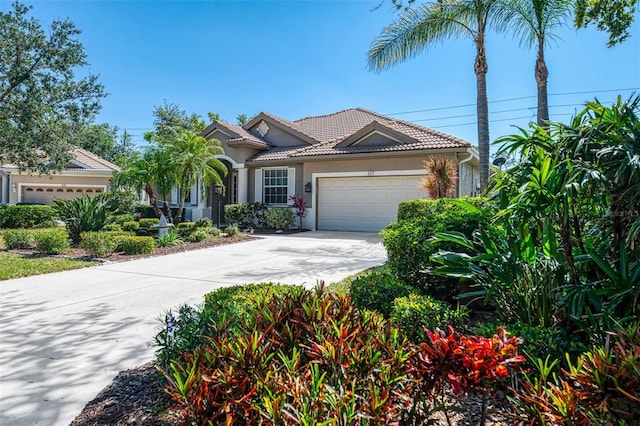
(27,216)
(99,244)
(280,218)
(377,291)
(146,222)
(409,243)
(17,238)
(131,226)
(414,209)
(137,245)
(121,219)
(51,242)
(413,313)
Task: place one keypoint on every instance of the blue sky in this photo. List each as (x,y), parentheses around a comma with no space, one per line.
(301,58)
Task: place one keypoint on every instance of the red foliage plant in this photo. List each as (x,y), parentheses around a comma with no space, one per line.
(465,362)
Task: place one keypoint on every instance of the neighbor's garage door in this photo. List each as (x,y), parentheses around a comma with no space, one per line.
(363,203)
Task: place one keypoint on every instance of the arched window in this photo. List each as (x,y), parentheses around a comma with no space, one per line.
(59,190)
(69,190)
(39,190)
(78,190)
(49,189)
(29,189)
(89,190)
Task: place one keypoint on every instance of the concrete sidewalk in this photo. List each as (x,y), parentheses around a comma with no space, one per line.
(65,336)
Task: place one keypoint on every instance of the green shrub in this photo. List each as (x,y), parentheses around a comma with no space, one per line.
(280,218)
(376,291)
(148,222)
(413,209)
(27,216)
(111,227)
(85,214)
(203,222)
(17,238)
(99,244)
(137,245)
(413,313)
(199,234)
(131,226)
(232,230)
(120,219)
(410,246)
(215,231)
(246,215)
(51,242)
(185,228)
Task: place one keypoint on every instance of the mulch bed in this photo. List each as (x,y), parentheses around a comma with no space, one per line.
(80,254)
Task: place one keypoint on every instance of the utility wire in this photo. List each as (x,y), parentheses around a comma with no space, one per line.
(512,99)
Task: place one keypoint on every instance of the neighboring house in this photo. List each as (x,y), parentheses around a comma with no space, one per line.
(352,167)
(86,173)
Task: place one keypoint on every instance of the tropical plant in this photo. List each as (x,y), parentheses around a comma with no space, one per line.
(85,214)
(300,208)
(171,238)
(532,21)
(428,25)
(441,178)
(190,157)
(601,387)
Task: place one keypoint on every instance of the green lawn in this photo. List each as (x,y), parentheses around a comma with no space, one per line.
(15,266)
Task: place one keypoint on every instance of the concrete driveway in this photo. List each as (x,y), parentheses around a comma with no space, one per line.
(65,336)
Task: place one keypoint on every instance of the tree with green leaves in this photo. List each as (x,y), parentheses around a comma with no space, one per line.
(42,100)
(421,28)
(612,16)
(191,157)
(532,21)
(99,139)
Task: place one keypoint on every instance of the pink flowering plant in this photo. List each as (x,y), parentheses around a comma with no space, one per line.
(301,208)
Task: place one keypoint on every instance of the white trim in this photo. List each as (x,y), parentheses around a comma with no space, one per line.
(79,164)
(291,185)
(370,173)
(59,185)
(233,162)
(368,135)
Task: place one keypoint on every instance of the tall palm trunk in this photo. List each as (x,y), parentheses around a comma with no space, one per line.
(542,76)
(482,107)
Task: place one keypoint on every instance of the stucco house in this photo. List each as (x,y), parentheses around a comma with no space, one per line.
(86,173)
(352,167)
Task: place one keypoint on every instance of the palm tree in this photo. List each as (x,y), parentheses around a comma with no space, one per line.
(418,29)
(193,156)
(532,20)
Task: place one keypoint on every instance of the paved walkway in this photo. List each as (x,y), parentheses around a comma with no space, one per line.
(65,336)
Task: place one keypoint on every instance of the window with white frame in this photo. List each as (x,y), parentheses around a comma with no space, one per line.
(276,184)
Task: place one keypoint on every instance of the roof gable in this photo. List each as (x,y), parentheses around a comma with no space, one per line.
(374,134)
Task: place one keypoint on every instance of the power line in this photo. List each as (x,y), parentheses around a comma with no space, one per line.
(491,121)
(512,99)
(494,112)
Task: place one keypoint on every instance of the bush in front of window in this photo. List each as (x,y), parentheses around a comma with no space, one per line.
(280,218)
(246,215)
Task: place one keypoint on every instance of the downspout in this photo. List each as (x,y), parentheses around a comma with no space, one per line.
(460,170)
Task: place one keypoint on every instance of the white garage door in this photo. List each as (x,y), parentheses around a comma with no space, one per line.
(363,203)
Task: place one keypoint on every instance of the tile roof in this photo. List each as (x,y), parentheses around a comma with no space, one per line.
(332,129)
(242,134)
(88,161)
(92,161)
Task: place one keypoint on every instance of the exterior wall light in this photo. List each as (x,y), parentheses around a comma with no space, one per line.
(307,187)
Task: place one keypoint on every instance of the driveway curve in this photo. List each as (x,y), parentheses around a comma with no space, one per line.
(65,336)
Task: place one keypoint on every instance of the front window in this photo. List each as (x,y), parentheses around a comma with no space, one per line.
(275,186)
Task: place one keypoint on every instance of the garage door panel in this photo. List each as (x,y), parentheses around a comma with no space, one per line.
(363,203)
